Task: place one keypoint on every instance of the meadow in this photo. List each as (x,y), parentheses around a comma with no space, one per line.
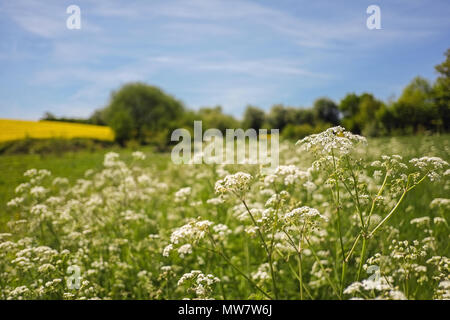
(20,129)
(340,218)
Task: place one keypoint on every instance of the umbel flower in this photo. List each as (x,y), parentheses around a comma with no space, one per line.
(238,184)
(306,216)
(199,283)
(192,233)
(433,165)
(333,140)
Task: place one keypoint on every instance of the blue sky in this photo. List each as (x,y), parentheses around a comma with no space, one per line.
(210,52)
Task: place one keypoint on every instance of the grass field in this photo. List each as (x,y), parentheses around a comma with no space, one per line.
(20,129)
(146,228)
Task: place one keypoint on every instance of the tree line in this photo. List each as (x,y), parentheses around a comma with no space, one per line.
(147,115)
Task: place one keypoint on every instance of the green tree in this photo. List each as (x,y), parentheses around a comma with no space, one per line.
(326,111)
(253,118)
(305,116)
(441,93)
(277,117)
(298,116)
(123,125)
(359,113)
(98,117)
(414,110)
(349,107)
(143,113)
(215,118)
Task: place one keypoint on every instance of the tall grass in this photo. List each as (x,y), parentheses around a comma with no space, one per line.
(338,221)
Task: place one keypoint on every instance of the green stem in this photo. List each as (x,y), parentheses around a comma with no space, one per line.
(269,252)
(339,223)
(300,278)
(361,258)
(304,286)
(376,197)
(243,274)
(299,259)
(225,257)
(343,276)
(353,247)
(389,214)
(358,204)
(322,268)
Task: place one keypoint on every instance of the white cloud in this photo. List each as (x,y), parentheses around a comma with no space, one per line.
(157,40)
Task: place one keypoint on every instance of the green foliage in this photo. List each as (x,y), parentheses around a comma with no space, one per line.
(52,146)
(122,123)
(215,118)
(441,93)
(276,118)
(138,227)
(415,111)
(288,118)
(140,112)
(326,110)
(147,115)
(253,118)
(359,112)
(295,132)
(421,107)
(96,118)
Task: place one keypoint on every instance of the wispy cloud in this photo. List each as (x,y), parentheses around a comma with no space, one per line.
(46,19)
(230,52)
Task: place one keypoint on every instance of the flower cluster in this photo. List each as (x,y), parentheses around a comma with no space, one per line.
(333,140)
(237,184)
(140,229)
(199,283)
(434,166)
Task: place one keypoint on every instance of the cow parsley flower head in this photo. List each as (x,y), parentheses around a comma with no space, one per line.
(443,291)
(138,155)
(305,216)
(191,232)
(23,187)
(199,283)
(262,274)
(433,165)
(30,173)
(39,209)
(38,191)
(15,202)
(420,221)
(370,285)
(182,194)
(237,183)
(333,140)
(304,213)
(291,174)
(111,159)
(167,250)
(185,250)
(440,203)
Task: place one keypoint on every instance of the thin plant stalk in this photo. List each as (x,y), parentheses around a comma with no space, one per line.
(269,252)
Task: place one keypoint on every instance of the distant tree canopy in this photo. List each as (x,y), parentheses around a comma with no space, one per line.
(326,110)
(253,118)
(277,117)
(359,111)
(441,93)
(146,114)
(48,116)
(415,110)
(143,113)
(215,118)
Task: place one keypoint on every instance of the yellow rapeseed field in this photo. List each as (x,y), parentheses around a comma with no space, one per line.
(19,129)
